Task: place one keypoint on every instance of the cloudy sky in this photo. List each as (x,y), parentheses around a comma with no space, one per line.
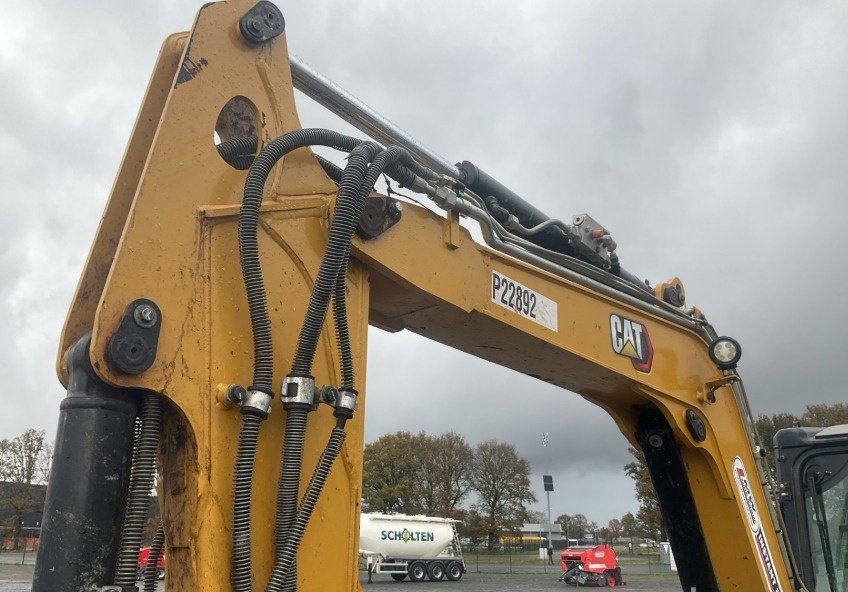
(710,138)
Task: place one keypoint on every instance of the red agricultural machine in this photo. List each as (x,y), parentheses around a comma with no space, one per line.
(144,557)
(590,566)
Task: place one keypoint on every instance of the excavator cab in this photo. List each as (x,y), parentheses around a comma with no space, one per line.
(812,470)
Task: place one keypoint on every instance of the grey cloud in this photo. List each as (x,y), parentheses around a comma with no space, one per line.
(708,137)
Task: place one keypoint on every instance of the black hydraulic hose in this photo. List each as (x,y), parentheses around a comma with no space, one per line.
(281,580)
(345,216)
(330,168)
(386,160)
(241,574)
(552,238)
(141,481)
(288,489)
(498,197)
(238,152)
(151,569)
(248,241)
(341,230)
(342,330)
(290,525)
(499,213)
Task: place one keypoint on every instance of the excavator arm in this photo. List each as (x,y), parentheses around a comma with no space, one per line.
(162,326)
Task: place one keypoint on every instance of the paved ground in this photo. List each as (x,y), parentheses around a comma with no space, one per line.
(487,582)
(18,578)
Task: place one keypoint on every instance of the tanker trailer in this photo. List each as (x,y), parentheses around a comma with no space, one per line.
(415,546)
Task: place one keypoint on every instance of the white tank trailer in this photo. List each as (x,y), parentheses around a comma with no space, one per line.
(415,546)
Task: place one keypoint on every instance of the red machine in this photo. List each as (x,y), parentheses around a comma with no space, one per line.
(144,557)
(590,566)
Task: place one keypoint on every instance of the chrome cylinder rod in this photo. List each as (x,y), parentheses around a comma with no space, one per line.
(329,94)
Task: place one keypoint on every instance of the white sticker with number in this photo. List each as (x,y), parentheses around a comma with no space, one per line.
(522,300)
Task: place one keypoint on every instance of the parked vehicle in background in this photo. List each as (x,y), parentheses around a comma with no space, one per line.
(416,546)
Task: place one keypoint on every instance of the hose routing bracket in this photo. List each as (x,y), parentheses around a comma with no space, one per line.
(256,402)
(299,390)
(345,403)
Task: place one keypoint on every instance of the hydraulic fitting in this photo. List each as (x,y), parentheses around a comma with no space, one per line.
(345,403)
(256,402)
(299,390)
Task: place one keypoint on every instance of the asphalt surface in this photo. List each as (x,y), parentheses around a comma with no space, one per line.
(18,578)
(526,582)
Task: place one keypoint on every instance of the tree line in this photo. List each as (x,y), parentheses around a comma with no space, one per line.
(423,474)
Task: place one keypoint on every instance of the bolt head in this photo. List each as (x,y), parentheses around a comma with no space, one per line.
(145,316)
(236,394)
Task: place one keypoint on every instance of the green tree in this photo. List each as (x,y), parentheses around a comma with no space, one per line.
(416,474)
(448,460)
(649,516)
(501,480)
(629,525)
(767,426)
(390,474)
(825,414)
(815,415)
(614,527)
(574,526)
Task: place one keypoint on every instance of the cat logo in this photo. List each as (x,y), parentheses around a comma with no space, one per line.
(630,339)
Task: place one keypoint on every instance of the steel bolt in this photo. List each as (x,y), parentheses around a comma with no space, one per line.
(236,394)
(655,440)
(329,395)
(145,316)
(395,208)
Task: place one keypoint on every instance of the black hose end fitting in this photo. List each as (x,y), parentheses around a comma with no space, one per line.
(498,212)
(254,411)
(468,173)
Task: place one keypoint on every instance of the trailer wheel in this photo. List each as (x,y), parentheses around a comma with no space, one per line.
(398,577)
(417,571)
(454,571)
(436,571)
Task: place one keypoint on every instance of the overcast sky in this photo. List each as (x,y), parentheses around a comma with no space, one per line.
(709,137)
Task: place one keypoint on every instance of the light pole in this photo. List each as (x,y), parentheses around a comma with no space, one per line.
(548,482)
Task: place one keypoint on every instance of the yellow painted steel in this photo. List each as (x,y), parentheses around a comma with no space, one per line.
(169,234)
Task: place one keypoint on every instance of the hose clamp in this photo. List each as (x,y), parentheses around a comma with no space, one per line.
(257,402)
(346,400)
(299,390)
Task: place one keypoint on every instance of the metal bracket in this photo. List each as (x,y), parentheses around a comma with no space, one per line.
(261,23)
(132,348)
(256,402)
(379,214)
(706,393)
(299,390)
(346,400)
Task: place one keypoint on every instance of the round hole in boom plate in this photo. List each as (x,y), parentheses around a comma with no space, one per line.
(235,135)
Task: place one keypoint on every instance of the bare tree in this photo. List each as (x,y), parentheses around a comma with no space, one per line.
(501,480)
(24,464)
